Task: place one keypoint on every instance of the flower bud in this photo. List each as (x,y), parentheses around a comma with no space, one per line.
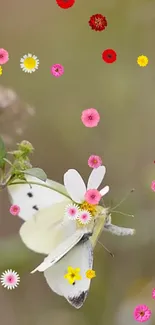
(25,146)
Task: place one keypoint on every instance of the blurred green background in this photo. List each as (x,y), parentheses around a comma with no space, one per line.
(124,95)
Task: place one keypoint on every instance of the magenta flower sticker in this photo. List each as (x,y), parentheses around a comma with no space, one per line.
(142,313)
(90,117)
(14,210)
(57,70)
(93,196)
(153,186)
(94,161)
(4,56)
(153,293)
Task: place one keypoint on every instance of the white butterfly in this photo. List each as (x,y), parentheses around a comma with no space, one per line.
(47,230)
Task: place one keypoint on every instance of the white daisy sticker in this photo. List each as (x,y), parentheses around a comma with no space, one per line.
(10,279)
(72,211)
(84,217)
(29,63)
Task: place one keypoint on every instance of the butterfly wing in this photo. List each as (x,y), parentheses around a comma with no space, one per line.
(32,198)
(63,248)
(80,256)
(47,229)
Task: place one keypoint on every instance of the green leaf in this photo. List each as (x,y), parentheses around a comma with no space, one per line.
(36,172)
(2,153)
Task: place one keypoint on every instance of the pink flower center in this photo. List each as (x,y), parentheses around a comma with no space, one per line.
(95,161)
(142,313)
(10,279)
(90,117)
(1,56)
(72,211)
(84,216)
(93,196)
(57,70)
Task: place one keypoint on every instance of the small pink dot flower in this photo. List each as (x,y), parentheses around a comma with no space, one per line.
(10,279)
(90,117)
(4,56)
(153,293)
(94,161)
(153,186)
(142,313)
(93,196)
(84,217)
(57,70)
(14,210)
(72,211)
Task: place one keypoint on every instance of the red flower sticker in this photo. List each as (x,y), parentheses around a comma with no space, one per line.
(109,56)
(65,4)
(98,22)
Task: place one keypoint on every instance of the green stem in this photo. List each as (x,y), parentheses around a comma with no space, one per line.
(35,183)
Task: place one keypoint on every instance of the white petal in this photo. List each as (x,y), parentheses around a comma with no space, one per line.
(75,185)
(96,177)
(104,190)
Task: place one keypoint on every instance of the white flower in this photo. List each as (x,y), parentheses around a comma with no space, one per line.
(29,63)
(75,185)
(72,211)
(10,279)
(84,217)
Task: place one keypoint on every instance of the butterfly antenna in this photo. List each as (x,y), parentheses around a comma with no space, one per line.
(124,199)
(107,250)
(124,214)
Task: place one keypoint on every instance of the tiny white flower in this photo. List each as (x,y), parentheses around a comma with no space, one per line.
(72,211)
(10,279)
(84,217)
(29,63)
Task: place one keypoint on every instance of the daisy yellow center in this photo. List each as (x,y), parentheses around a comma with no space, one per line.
(89,207)
(30,63)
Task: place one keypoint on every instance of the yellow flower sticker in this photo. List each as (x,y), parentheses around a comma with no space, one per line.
(72,275)
(90,274)
(1,70)
(142,60)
